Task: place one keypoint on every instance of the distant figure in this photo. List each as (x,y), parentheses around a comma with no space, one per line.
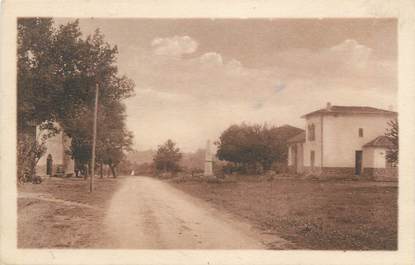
(208,161)
(132,173)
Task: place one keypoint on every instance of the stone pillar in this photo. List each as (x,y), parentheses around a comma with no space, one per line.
(208,161)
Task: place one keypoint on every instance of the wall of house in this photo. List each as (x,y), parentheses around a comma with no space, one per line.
(292,155)
(56,146)
(368,157)
(68,162)
(374,157)
(313,145)
(53,147)
(341,137)
(375,165)
(300,158)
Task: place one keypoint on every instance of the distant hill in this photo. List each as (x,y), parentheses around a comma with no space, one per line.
(189,160)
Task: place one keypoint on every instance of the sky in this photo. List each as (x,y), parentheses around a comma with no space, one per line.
(196,77)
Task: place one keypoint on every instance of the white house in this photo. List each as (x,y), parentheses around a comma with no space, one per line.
(343,141)
(56,161)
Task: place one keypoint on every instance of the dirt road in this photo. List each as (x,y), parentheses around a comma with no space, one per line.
(149,213)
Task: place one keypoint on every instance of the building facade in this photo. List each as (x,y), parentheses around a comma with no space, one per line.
(343,141)
(56,161)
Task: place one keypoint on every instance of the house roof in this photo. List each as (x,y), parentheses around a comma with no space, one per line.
(350,110)
(285,132)
(380,141)
(299,138)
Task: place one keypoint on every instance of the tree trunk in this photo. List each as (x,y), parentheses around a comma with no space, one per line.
(101,170)
(86,171)
(113,171)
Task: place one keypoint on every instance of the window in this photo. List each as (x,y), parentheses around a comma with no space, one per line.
(360,132)
(312,157)
(311,132)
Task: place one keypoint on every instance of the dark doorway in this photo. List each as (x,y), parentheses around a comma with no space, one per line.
(358,162)
(312,158)
(49,163)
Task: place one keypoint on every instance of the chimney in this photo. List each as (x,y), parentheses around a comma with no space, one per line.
(328,106)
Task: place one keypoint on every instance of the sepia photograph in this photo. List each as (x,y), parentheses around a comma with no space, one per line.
(207,133)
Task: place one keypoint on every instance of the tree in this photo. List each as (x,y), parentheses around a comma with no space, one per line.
(113,140)
(167,157)
(393,135)
(37,82)
(93,63)
(58,72)
(37,87)
(250,147)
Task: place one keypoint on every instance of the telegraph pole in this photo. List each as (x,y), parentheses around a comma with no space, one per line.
(94,139)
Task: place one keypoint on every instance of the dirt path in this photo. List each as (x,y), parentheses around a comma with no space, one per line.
(149,213)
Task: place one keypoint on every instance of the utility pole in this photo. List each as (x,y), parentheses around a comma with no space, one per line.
(94,139)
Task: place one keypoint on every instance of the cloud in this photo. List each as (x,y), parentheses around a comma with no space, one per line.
(174,46)
(352,53)
(201,96)
(211,59)
(215,60)
(152,95)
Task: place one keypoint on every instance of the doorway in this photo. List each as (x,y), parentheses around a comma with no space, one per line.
(358,163)
(49,163)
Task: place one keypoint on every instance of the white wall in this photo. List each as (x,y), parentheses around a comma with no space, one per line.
(368,157)
(375,158)
(290,155)
(300,162)
(313,145)
(341,137)
(54,147)
(379,158)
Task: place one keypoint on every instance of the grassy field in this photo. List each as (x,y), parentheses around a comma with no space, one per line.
(61,213)
(341,215)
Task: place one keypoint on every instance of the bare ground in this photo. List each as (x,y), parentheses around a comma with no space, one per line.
(149,213)
(61,213)
(334,215)
(129,212)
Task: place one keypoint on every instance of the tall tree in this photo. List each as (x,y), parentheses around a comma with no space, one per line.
(167,157)
(95,66)
(37,86)
(37,82)
(114,140)
(393,135)
(58,72)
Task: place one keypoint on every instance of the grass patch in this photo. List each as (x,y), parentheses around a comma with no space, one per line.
(329,215)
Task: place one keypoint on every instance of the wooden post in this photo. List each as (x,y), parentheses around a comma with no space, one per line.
(94,139)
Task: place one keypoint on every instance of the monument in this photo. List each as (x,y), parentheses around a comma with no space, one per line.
(208,161)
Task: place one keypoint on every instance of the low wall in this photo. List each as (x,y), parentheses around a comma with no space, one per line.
(381,174)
